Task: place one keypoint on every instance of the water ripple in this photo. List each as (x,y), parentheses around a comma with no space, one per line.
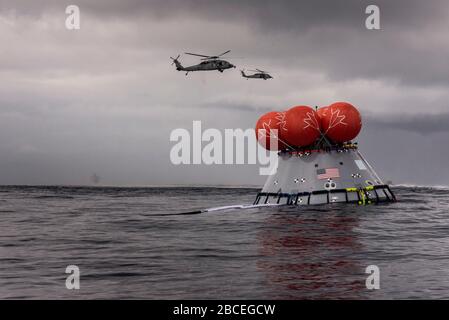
(125,248)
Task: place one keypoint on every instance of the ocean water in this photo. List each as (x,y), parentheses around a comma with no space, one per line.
(126,246)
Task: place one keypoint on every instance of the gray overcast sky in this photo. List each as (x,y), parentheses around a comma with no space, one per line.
(104,99)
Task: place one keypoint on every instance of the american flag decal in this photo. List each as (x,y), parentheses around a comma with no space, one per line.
(328,173)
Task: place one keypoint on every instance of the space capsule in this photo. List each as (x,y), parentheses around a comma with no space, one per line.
(318,161)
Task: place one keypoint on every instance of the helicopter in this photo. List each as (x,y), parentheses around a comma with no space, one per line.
(209,63)
(260,74)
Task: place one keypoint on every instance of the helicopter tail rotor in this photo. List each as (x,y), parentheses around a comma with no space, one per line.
(179,66)
(175,59)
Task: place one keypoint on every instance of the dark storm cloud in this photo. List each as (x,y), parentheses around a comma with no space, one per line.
(424,124)
(246,107)
(312,35)
(282,14)
(104,99)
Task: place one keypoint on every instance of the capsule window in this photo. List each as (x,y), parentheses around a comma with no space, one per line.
(318,198)
(353,196)
(337,197)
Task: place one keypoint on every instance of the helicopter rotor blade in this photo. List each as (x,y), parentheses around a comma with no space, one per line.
(215,57)
(223,53)
(260,71)
(204,57)
(198,55)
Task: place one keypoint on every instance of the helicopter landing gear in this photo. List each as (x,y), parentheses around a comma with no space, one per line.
(220,70)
